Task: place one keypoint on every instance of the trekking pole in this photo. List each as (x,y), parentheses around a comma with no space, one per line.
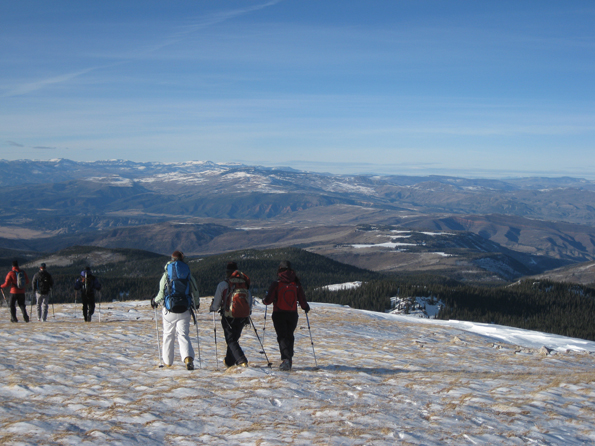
(99,307)
(269,363)
(158,341)
(311,341)
(5,301)
(194,313)
(264,325)
(51,296)
(215,330)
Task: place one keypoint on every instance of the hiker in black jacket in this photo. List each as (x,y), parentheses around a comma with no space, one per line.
(42,285)
(285,294)
(87,283)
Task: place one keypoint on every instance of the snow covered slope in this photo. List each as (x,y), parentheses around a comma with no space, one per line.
(382,380)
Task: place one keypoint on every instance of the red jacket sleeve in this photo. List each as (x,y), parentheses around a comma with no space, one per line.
(302,298)
(271,294)
(9,280)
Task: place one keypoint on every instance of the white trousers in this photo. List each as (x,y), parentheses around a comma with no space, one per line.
(176,323)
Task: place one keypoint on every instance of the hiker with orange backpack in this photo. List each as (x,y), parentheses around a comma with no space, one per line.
(17,280)
(233,301)
(285,294)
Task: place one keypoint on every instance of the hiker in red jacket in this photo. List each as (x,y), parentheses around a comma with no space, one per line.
(285,294)
(17,280)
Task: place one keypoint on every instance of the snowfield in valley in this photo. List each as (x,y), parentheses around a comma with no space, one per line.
(381,380)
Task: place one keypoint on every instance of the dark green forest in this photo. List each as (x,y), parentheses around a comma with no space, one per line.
(558,308)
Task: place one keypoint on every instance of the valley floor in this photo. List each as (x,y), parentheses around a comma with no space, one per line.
(380,380)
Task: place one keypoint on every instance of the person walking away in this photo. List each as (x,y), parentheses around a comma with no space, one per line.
(42,285)
(285,294)
(87,284)
(17,280)
(233,301)
(179,294)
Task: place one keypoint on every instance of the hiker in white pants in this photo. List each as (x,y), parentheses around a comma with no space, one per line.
(179,294)
(176,323)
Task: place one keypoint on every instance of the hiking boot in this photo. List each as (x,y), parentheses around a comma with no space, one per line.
(14,320)
(285,365)
(189,363)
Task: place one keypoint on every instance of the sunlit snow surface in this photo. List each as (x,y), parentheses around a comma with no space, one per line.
(382,380)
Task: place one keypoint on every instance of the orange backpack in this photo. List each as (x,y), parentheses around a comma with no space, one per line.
(238,301)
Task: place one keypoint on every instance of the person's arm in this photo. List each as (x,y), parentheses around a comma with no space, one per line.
(271,294)
(194,291)
(216,304)
(35,281)
(161,295)
(8,281)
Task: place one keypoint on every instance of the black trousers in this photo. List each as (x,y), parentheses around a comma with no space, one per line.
(285,323)
(232,328)
(88,306)
(20,300)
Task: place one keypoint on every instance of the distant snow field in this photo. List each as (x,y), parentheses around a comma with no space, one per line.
(381,379)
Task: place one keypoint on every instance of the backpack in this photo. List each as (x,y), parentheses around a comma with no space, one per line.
(88,285)
(287,296)
(238,301)
(177,289)
(44,283)
(20,282)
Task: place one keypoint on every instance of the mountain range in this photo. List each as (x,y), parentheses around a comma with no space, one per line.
(501,229)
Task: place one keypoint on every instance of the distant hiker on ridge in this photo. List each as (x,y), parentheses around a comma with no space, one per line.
(179,294)
(233,300)
(17,280)
(87,283)
(42,285)
(285,294)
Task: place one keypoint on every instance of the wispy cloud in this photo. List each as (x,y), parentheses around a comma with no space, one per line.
(14,144)
(45,148)
(33,86)
(184,32)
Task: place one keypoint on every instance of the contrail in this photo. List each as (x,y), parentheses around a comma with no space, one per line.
(213,19)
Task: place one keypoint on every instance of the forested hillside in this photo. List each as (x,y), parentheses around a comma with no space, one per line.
(563,309)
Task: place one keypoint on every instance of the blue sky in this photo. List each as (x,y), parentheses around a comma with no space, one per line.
(469,88)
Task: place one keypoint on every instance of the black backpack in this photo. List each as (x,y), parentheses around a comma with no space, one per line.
(44,282)
(89,285)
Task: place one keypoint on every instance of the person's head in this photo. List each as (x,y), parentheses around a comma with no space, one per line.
(284,266)
(86,271)
(15,263)
(42,266)
(177,255)
(231,268)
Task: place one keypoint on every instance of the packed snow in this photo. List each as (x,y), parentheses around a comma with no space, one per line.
(378,379)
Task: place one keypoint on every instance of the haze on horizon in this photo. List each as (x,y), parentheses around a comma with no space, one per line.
(422,87)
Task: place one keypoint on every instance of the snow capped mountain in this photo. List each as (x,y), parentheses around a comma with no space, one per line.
(378,379)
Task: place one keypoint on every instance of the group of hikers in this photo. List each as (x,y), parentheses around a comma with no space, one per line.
(43,283)
(178,294)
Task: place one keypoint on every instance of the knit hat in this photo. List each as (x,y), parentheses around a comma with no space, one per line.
(15,263)
(232,266)
(285,264)
(177,255)
(42,266)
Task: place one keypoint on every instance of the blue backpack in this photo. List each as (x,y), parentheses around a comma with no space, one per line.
(177,290)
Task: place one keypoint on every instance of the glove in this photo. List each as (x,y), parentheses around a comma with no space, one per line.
(153,303)
(307,309)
